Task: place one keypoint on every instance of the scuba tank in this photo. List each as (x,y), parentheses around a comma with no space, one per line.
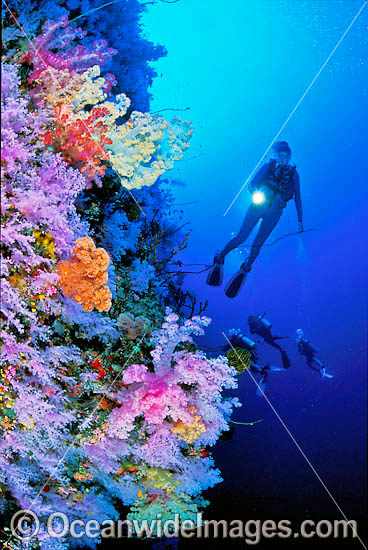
(238,339)
(262,327)
(258,324)
(264,321)
(242,351)
(248,343)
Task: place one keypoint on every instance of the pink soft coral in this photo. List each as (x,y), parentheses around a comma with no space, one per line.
(58,35)
(160,398)
(153,396)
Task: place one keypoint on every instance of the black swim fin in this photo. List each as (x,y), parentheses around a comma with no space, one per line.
(285,359)
(215,275)
(275,368)
(236,283)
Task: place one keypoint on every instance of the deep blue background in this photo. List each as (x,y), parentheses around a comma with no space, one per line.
(241,67)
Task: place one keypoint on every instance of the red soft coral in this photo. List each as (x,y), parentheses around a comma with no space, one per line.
(81,142)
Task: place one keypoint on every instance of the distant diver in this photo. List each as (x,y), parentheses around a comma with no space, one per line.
(306,348)
(260,326)
(239,343)
(275,183)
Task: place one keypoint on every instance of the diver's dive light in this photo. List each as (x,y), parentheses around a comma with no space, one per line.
(258,197)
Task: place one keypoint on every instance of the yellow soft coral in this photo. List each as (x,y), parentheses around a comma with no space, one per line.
(139,150)
(46,241)
(56,88)
(146,146)
(189,432)
(157,478)
(83,277)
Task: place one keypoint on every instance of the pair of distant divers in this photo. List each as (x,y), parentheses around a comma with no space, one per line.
(275,183)
(259,326)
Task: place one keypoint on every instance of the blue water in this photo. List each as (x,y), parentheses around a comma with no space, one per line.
(241,67)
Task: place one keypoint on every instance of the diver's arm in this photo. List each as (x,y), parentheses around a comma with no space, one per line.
(298,201)
(259,176)
(255,367)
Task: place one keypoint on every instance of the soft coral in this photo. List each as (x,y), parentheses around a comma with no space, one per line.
(53,49)
(81,141)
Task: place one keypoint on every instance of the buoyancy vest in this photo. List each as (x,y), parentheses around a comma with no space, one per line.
(280,179)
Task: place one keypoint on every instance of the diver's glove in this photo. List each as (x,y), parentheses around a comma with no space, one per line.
(301,228)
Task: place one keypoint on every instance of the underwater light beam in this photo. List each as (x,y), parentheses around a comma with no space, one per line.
(297,105)
(37,51)
(85,422)
(296,443)
(137,203)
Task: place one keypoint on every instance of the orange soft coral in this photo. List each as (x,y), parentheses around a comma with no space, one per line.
(83,278)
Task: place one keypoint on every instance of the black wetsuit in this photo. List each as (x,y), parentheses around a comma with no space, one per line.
(257,326)
(309,352)
(238,340)
(280,183)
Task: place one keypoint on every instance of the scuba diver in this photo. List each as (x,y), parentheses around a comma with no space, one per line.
(306,348)
(238,342)
(260,326)
(275,183)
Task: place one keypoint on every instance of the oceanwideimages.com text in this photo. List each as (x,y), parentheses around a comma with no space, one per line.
(25,525)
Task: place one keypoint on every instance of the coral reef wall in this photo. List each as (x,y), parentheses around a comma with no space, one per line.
(119,23)
(108,407)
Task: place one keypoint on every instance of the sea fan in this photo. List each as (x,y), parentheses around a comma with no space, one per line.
(239,358)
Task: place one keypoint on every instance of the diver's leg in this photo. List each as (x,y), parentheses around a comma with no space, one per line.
(254,367)
(269,222)
(310,362)
(284,356)
(261,386)
(319,363)
(285,359)
(318,366)
(251,218)
(322,368)
(276,345)
(237,281)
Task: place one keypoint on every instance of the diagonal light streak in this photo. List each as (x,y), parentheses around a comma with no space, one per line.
(55,83)
(297,105)
(102,394)
(21,28)
(137,203)
(295,442)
